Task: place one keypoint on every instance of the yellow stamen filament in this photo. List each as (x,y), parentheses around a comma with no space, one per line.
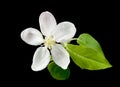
(49,42)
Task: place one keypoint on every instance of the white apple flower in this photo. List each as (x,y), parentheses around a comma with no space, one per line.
(51,44)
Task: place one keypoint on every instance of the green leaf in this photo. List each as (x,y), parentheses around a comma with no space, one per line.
(88,41)
(87,58)
(57,72)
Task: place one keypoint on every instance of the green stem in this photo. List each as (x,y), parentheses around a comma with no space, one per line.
(74,39)
(64,44)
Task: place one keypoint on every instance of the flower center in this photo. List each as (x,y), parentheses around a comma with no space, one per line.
(49,42)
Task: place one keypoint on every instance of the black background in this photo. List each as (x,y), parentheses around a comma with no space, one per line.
(96,18)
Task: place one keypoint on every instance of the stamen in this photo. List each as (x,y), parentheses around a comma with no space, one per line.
(49,42)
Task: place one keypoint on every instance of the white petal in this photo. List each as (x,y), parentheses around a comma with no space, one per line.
(32,36)
(60,56)
(64,32)
(47,23)
(41,59)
